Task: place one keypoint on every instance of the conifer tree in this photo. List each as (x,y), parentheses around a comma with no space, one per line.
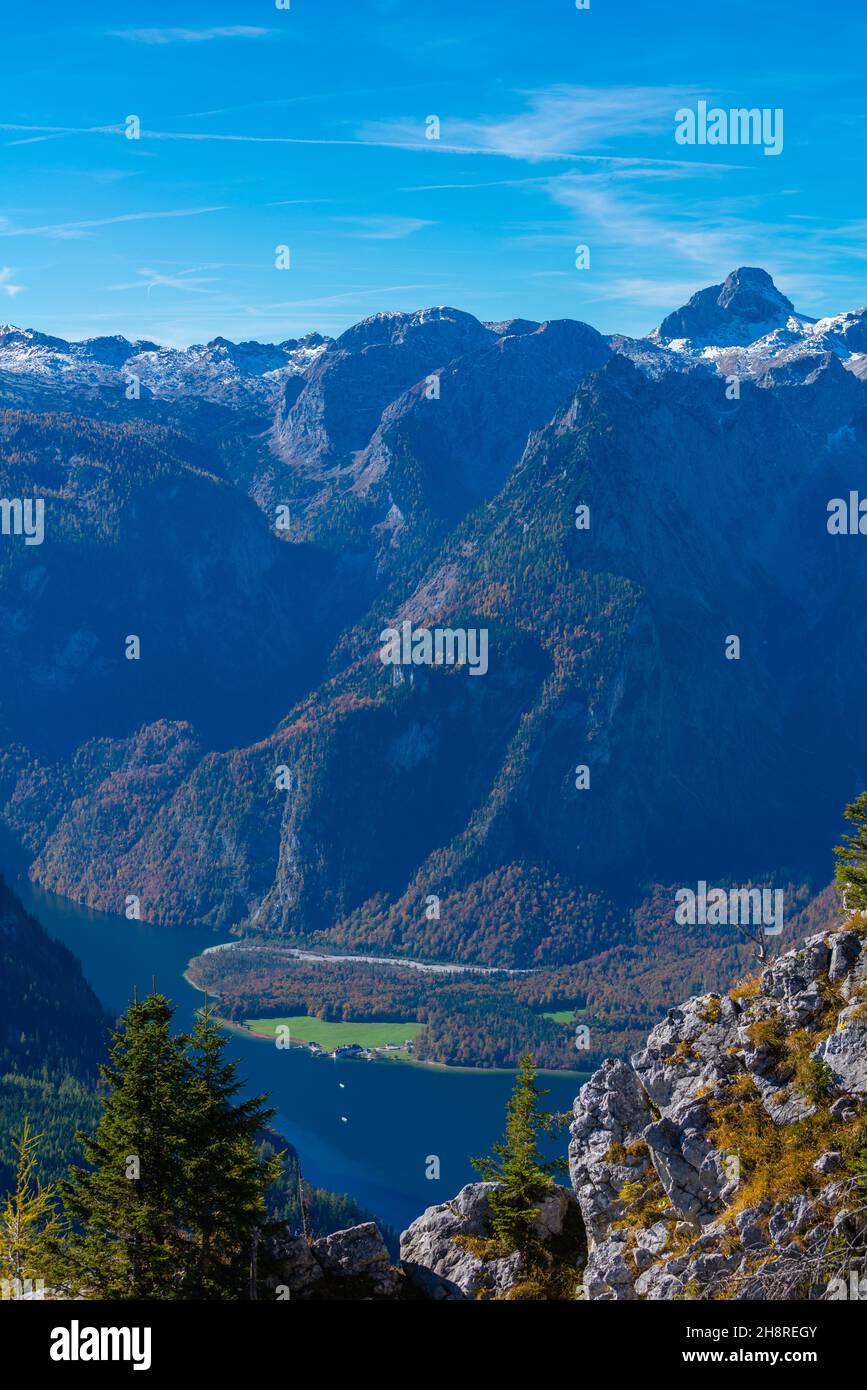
(175,1195)
(851,857)
(224,1177)
(29,1221)
(127,1208)
(523,1177)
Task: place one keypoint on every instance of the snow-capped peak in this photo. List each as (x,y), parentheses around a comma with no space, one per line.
(233,374)
(745,325)
(746,306)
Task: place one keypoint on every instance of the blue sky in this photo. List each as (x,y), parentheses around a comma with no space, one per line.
(306,127)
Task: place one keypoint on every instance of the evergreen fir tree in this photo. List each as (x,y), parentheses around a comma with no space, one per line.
(851,857)
(224,1176)
(174,1198)
(524,1178)
(29,1221)
(128,1208)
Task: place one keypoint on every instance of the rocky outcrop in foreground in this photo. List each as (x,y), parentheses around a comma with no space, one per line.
(350,1264)
(443,1255)
(727,1159)
(724,1161)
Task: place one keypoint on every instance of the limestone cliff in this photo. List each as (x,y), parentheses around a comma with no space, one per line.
(727,1160)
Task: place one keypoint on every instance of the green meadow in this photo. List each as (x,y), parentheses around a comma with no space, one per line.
(331,1035)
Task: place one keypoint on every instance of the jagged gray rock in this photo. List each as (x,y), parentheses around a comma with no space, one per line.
(439,1264)
(298,1272)
(613,1115)
(845,1051)
(359,1253)
(353,1263)
(655,1190)
(443,1268)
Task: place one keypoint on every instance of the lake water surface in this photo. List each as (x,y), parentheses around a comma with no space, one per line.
(366,1128)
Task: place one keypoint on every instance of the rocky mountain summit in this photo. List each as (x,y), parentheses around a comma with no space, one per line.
(727,1159)
(747,328)
(744,307)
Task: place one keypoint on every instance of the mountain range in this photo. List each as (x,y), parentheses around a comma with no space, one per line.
(610,511)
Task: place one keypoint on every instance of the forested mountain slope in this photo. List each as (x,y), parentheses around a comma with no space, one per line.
(612,515)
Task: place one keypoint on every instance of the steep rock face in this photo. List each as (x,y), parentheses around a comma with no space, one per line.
(50,1019)
(143,537)
(614,1114)
(722,1162)
(365,369)
(434,458)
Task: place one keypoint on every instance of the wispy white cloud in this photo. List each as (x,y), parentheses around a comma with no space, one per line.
(36,139)
(485,183)
(162,36)
(149,279)
(623,166)
(49,130)
(214,136)
(330,95)
(6,285)
(385,228)
(70,231)
(627,212)
(539,134)
(660,295)
(558,122)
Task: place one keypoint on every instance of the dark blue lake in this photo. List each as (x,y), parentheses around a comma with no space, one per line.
(396,1114)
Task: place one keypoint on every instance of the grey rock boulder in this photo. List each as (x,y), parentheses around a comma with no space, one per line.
(830,1162)
(845,1051)
(609,1274)
(845,953)
(793,981)
(689,1167)
(439,1264)
(358,1254)
(298,1272)
(442,1267)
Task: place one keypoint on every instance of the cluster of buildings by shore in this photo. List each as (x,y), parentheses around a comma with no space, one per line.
(365,1054)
